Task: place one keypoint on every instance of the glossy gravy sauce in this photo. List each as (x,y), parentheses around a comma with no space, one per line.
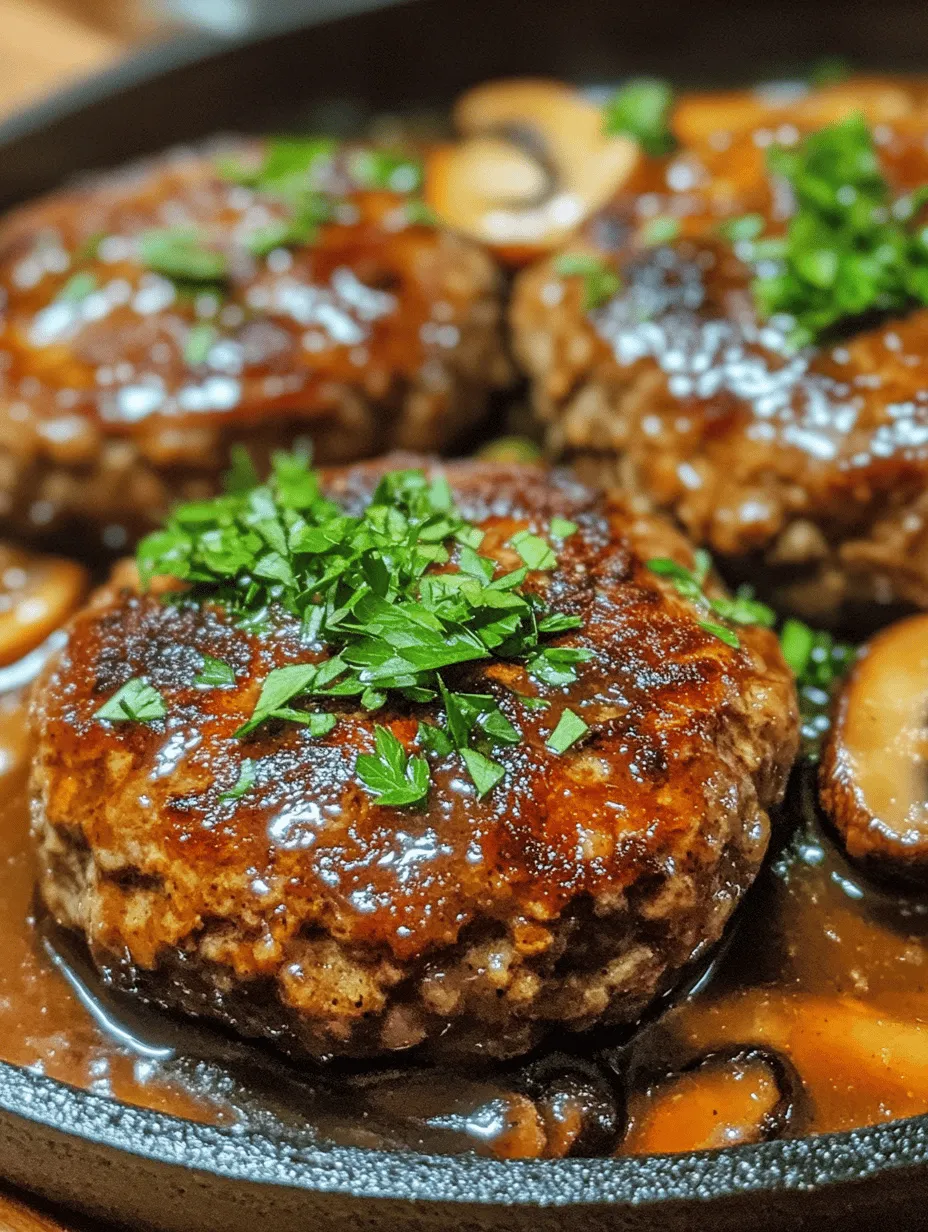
(824,970)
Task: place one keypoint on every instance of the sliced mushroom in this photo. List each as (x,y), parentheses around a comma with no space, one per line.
(873,779)
(533,163)
(723,1099)
(37,594)
(699,117)
(581,1108)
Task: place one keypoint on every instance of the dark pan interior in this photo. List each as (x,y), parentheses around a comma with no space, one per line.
(146,1169)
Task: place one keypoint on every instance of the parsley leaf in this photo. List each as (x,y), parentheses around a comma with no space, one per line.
(388,170)
(484,772)
(819,663)
(641,108)
(562,528)
(434,740)
(389,774)
(600,281)
(280,686)
(534,551)
(181,253)
(742,609)
(660,230)
(214,673)
(570,728)
(77,288)
(246,780)
(200,339)
(136,702)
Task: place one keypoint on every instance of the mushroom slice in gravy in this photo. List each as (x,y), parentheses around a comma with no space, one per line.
(873,775)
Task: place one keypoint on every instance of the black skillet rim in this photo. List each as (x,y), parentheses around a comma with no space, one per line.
(31,1099)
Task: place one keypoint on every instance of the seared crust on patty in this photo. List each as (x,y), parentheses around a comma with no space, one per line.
(378,334)
(572,895)
(808,471)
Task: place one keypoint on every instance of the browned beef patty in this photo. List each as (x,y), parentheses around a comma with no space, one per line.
(807,471)
(571,895)
(121,390)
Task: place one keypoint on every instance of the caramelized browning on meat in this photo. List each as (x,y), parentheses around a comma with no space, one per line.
(572,894)
(122,390)
(807,469)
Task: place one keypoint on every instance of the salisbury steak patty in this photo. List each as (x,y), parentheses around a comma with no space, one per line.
(152,317)
(807,469)
(297,909)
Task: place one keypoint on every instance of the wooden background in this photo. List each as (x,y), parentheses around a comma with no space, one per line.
(43,44)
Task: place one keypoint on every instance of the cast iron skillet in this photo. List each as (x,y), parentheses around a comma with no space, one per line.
(147,1169)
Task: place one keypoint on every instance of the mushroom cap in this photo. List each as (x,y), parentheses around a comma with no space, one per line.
(872,778)
(534,162)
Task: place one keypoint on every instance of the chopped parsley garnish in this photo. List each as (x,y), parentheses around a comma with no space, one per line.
(600,281)
(77,288)
(390,774)
(641,109)
(570,728)
(214,674)
(392,600)
(200,339)
(562,528)
(819,663)
(246,780)
(848,248)
(308,214)
(660,230)
(387,170)
(743,609)
(183,254)
(745,227)
(533,550)
(288,166)
(136,702)
(484,771)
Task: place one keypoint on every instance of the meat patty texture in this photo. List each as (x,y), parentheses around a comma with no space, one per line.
(129,365)
(298,910)
(808,470)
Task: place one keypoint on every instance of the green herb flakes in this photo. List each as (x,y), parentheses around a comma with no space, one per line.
(819,663)
(658,231)
(214,674)
(246,780)
(742,609)
(641,109)
(387,170)
(562,528)
(136,702)
(600,281)
(570,728)
(533,550)
(182,254)
(392,777)
(77,288)
(848,248)
(200,339)
(392,599)
(484,772)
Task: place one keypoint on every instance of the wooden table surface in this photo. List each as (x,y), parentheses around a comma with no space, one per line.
(43,45)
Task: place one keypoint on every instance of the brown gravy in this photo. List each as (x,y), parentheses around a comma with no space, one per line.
(825,969)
